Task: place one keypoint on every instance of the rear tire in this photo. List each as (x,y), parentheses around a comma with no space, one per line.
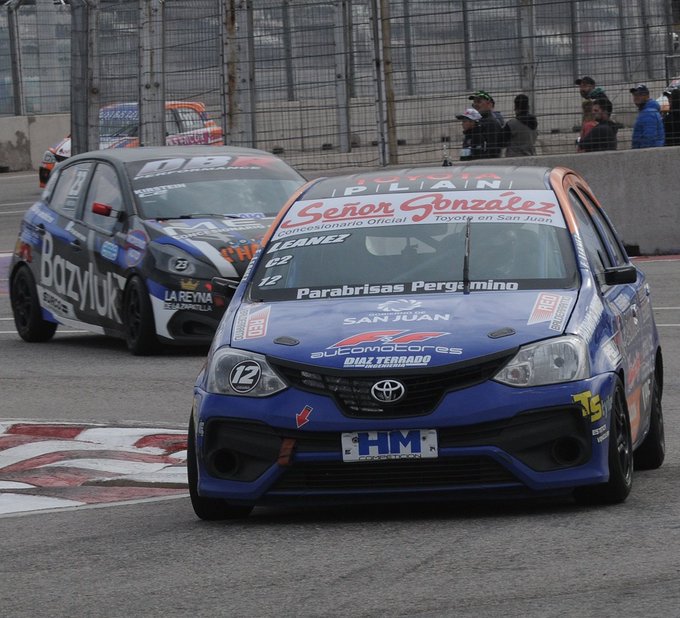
(138,320)
(620,459)
(651,453)
(208,509)
(26,309)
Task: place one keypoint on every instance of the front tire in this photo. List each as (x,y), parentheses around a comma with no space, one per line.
(26,309)
(138,320)
(620,459)
(651,453)
(208,509)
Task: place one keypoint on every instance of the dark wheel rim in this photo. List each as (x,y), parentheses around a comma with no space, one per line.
(134,314)
(22,301)
(623,439)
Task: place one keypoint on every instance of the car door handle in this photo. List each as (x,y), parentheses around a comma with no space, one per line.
(41,229)
(75,244)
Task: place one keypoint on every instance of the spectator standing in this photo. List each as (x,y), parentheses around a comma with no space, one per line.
(474,143)
(588,88)
(491,126)
(671,119)
(603,135)
(648,131)
(520,132)
(588,122)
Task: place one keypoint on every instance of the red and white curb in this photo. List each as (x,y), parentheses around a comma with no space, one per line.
(48,466)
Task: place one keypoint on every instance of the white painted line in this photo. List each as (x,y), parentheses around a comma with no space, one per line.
(104,505)
(666,308)
(14,503)
(124,437)
(109,466)
(668,324)
(61,332)
(16,454)
(14,212)
(15,485)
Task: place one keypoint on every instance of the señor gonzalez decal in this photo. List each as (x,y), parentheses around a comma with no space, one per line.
(530,206)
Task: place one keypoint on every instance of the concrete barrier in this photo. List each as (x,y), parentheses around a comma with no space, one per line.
(640,189)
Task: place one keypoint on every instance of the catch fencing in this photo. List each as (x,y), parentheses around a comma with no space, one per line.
(330,84)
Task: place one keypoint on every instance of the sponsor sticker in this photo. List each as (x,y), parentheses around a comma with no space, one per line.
(109,251)
(552,308)
(251,323)
(323,215)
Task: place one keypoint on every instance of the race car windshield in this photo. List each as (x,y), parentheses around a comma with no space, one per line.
(173,189)
(419,258)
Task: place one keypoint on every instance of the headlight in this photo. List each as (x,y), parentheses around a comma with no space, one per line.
(563,359)
(235,372)
(49,157)
(172,259)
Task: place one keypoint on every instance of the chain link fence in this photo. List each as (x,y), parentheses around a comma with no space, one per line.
(333,84)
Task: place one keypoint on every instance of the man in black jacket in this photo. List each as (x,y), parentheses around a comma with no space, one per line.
(490,123)
(603,135)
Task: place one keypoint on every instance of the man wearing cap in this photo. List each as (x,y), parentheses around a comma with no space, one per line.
(490,125)
(603,135)
(648,131)
(474,143)
(588,89)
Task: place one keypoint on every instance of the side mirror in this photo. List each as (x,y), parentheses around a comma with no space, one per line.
(222,289)
(618,275)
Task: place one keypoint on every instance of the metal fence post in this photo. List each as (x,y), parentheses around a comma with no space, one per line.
(15,57)
(84,76)
(527,33)
(467,36)
(288,51)
(151,72)
(341,93)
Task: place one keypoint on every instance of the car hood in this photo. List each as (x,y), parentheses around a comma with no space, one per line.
(228,244)
(401,332)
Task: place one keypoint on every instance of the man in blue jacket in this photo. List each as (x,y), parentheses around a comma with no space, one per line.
(648,131)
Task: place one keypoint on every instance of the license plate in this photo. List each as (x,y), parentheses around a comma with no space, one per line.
(393,444)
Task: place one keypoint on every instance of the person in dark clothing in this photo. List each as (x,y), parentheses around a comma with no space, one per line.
(491,125)
(519,133)
(603,135)
(671,119)
(588,89)
(474,143)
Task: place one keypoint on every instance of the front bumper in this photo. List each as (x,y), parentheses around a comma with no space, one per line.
(491,443)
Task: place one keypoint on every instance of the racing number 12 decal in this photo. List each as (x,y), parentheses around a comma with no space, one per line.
(245,376)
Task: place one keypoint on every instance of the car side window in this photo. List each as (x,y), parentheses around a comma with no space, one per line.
(592,242)
(171,126)
(69,188)
(617,253)
(104,199)
(190,119)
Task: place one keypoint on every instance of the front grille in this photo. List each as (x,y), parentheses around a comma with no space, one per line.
(424,389)
(448,472)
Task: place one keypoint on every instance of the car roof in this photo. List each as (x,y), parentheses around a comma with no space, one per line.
(463,177)
(147,153)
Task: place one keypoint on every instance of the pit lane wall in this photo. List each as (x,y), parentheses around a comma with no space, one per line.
(640,189)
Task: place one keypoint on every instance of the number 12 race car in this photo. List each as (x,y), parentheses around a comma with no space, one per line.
(429,334)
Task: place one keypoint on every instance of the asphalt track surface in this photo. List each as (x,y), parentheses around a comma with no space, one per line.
(152,557)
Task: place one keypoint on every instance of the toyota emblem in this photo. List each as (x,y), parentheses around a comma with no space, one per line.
(388,391)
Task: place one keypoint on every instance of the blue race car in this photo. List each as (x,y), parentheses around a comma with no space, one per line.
(430,334)
(125,242)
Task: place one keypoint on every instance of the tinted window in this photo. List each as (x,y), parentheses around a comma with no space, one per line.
(212,185)
(598,257)
(355,257)
(171,126)
(190,119)
(70,186)
(617,253)
(104,191)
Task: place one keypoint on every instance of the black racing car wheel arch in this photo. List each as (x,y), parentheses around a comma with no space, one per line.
(651,453)
(208,509)
(138,320)
(26,308)
(620,458)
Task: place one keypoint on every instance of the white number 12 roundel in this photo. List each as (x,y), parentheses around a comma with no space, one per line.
(245,376)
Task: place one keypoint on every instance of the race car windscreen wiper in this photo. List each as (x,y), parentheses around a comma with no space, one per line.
(466,258)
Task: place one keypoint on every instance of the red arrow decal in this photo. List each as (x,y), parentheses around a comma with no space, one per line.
(302,418)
